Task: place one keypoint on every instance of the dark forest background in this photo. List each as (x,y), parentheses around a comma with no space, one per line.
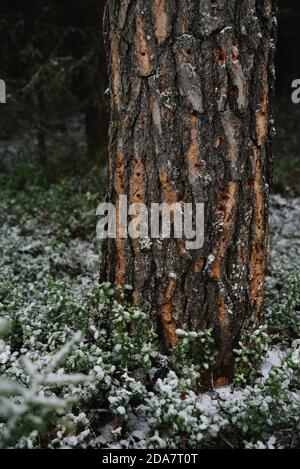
(53,133)
(53,61)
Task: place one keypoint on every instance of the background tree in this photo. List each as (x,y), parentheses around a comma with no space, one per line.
(191,85)
(52,57)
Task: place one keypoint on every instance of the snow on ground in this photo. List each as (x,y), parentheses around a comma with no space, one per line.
(285,233)
(274,358)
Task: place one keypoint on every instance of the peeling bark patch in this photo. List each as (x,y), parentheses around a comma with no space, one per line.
(120,269)
(258,253)
(170,194)
(137,182)
(227,207)
(223,317)
(142,49)
(119,173)
(225,352)
(231,128)
(161,20)
(198,266)
(222,56)
(239,80)
(116,70)
(137,196)
(221,382)
(156,116)
(193,154)
(184,27)
(169,324)
(262,117)
(123,13)
(190,86)
(219,142)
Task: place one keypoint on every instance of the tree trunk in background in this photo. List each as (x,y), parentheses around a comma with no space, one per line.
(41,128)
(93,79)
(96,132)
(191,83)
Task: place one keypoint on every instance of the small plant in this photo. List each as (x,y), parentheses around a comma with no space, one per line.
(27,409)
(284,315)
(268,409)
(124,392)
(131,336)
(179,416)
(194,348)
(250,356)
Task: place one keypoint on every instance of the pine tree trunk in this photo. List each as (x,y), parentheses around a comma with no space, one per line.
(191,83)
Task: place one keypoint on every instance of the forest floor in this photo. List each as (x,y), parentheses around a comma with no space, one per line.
(49,290)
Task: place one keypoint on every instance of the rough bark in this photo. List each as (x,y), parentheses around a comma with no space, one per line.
(191,83)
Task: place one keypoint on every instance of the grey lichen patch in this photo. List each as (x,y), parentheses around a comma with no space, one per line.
(123,13)
(156,116)
(232,127)
(212,16)
(187,55)
(193,157)
(231,69)
(190,87)
(239,79)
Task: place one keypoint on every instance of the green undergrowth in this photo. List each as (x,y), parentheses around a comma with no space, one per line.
(81,370)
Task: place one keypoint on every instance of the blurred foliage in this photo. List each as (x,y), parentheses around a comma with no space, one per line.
(287,149)
(52,58)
